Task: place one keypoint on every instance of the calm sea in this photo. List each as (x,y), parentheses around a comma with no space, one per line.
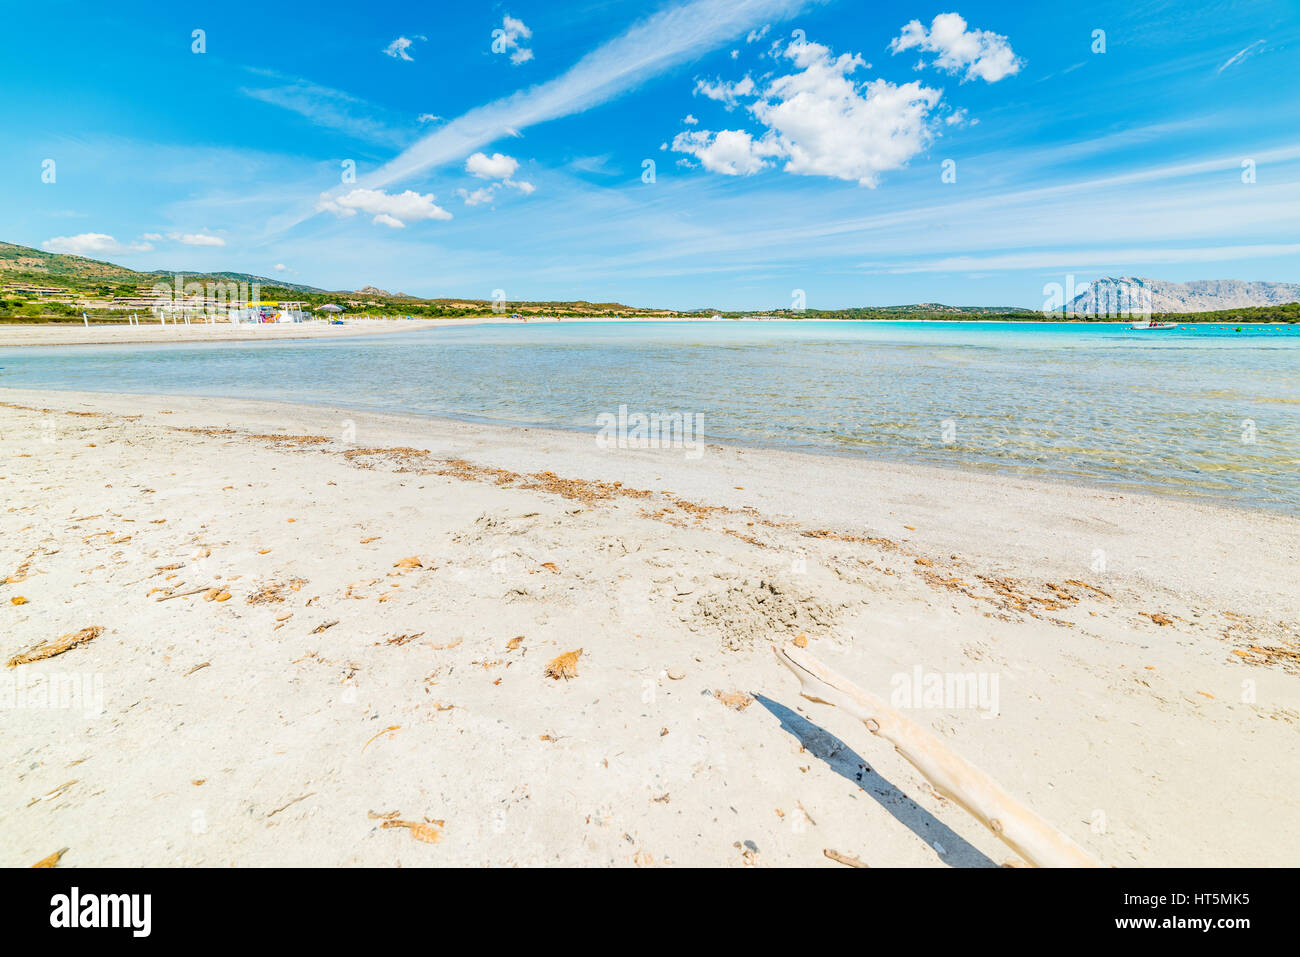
(1211,411)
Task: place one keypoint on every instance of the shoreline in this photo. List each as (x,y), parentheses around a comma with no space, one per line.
(379,567)
(526,447)
(71,333)
(1059,482)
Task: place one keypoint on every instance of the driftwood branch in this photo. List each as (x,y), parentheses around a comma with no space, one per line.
(847,860)
(951,775)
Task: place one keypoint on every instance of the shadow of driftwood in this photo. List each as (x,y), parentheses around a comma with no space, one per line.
(849,764)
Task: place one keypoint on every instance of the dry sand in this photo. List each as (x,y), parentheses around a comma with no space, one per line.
(374,691)
(76,334)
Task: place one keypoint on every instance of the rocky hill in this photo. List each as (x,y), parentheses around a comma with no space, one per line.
(1108,295)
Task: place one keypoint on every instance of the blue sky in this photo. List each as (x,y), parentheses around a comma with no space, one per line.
(796,146)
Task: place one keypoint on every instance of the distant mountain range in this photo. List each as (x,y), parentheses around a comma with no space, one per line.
(1108,294)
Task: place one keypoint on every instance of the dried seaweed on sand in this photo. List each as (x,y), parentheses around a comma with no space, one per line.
(56,647)
(846,859)
(735,700)
(564,666)
(428,833)
(52,860)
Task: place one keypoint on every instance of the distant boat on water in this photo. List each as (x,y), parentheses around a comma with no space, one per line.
(1152,324)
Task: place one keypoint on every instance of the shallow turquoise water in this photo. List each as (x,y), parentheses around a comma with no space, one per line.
(1171,411)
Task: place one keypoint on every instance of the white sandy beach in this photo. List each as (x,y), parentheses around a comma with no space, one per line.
(77,334)
(397,585)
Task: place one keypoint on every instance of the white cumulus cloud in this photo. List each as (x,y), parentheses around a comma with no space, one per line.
(394,210)
(981,54)
(484,194)
(730,152)
(724,92)
(820,121)
(496,166)
(397,49)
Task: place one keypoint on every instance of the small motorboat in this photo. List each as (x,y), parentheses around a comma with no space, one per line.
(1151,324)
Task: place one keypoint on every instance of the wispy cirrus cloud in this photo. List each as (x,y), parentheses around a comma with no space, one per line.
(187,239)
(1239,56)
(1089,258)
(328,107)
(646,49)
(649,47)
(197,239)
(91,244)
(599,165)
(1188,213)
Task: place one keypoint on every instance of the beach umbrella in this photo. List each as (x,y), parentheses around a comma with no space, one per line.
(329,307)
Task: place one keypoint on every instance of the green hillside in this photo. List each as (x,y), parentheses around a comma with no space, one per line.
(71,280)
(56,287)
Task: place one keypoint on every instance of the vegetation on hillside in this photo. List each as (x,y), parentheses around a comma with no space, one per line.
(98,283)
(1289,312)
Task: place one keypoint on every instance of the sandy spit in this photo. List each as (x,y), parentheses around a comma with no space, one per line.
(373,687)
(76,334)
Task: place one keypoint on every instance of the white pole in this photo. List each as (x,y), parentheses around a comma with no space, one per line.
(85,321)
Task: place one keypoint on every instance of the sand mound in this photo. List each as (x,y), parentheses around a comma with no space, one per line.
(750,611)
